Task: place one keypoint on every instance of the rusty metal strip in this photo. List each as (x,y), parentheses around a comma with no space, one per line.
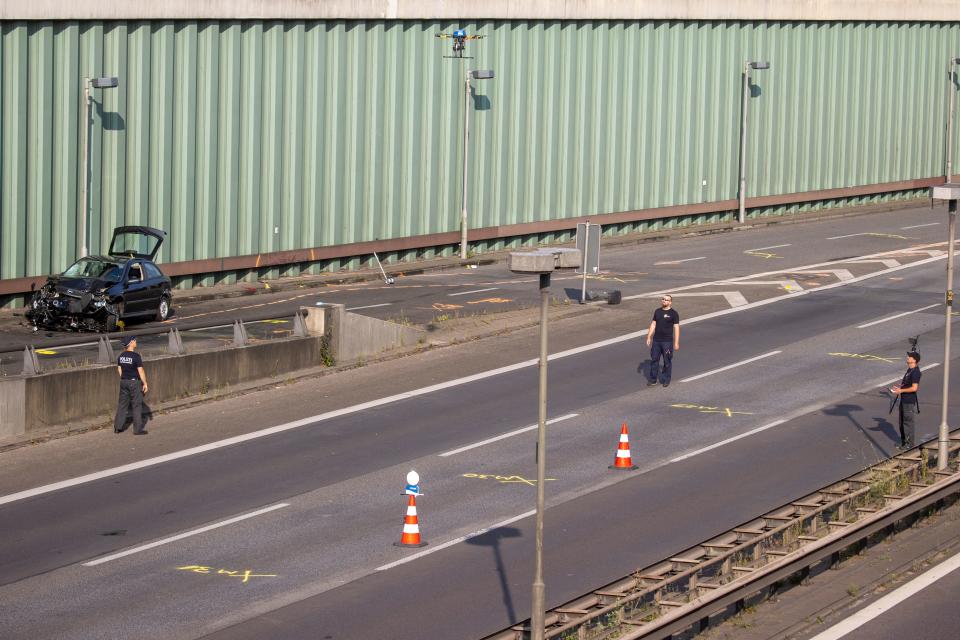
(294,256)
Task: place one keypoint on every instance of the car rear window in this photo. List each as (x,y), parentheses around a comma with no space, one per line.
(152,270)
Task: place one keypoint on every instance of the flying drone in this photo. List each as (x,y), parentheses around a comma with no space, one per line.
(459,38)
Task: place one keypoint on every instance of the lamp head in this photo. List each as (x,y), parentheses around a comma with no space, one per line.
(105,82)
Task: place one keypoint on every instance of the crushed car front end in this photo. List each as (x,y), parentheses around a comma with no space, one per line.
(80,299)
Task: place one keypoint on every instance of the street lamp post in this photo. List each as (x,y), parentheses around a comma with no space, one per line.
(950,193)
(952,97)
(542,262)
(88,83)
(743,133)
(477,74)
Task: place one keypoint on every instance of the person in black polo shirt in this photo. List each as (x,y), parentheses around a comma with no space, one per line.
(133,384)
(663,338)
(909,407)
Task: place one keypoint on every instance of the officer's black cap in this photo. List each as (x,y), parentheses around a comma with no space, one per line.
(128,339)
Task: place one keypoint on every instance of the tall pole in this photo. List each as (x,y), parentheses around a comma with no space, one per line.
(743,143)
(466,140)
(953,62)
(944,437)
(538,614)
(84,171)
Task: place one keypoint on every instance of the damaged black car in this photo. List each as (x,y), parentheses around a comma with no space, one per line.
(99,293)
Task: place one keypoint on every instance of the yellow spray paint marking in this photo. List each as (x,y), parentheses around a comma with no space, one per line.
(440,306)
(762,254)
(244,575)
(862,356)
(490,300)
(46,352)
(704,409)
(504,479)
(275,321)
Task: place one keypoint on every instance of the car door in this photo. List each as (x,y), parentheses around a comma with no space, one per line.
(136,289)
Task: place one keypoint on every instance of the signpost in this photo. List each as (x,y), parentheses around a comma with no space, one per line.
(588,244)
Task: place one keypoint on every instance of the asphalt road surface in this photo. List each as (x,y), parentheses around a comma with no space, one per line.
(315,556)
(923,609)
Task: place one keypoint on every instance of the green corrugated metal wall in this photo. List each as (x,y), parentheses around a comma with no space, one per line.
(255,136)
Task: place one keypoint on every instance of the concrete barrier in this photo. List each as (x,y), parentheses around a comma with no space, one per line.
(57,398)
(351,337)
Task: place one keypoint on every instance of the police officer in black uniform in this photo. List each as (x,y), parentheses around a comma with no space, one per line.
(909,405)
(133,385)
(663,339)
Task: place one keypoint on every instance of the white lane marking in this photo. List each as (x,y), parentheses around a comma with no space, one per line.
(187,534)
(464,293)
(841,274)
(369,306)
(849,235)
(679,261)
(211,446)
(728,440)
(890,600)
(786,285)
(450,543)
(918,249)
(917,226)
(505,435)
(899,315)
(733,298)
(889,262)
(75,346)
(730,366)
(776,246)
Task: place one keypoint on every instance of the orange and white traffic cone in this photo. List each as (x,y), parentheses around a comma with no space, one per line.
(411,527)
(623,461)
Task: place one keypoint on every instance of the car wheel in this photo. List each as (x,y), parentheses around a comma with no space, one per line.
(163,309)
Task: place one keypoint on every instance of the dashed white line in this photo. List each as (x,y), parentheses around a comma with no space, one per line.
(187,534)
(379,402)
(890,600)
(464,293)
(450,543)
(679,261)
(370,306)
(849,235)
(505,435)
(730,366)
(894,317)
(776,246)
(917,226)
(728,440)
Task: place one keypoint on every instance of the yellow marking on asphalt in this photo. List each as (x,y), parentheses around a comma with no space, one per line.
(275,321)
(862,356)
(766,255)
(504,479)
(244,575)
(442,306)
(490,300)
(727,411)
(46,352)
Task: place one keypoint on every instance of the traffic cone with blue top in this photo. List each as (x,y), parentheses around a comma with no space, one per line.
(623,461)
(411,526)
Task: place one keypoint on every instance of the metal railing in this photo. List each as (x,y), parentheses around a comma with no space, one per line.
(684,591)
(105,353)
